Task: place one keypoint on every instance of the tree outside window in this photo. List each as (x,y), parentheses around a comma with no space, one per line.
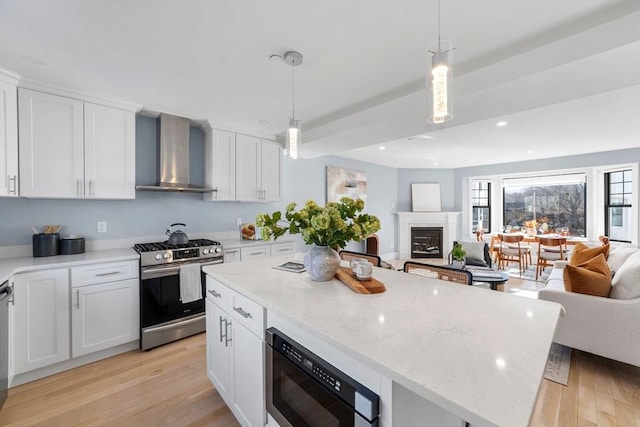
(559,205)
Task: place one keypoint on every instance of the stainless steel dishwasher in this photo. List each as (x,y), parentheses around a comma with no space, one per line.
(5,296)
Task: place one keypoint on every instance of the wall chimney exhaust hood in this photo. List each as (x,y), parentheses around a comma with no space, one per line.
(173,158)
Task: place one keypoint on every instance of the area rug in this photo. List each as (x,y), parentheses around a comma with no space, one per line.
(529,274)
(558,363)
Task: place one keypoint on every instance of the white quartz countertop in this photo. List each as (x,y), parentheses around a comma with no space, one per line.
(11,266)
(477,353)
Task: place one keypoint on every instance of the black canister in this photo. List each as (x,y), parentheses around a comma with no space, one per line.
(70,245)
(46,244)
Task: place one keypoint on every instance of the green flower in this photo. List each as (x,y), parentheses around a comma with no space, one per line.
(333,225)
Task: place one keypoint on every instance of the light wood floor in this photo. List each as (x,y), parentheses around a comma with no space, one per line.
(168,386)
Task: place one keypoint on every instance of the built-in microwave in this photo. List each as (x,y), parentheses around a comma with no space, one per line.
(305,390)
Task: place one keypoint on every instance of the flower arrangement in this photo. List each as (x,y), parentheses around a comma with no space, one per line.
(332,225)
(531,224)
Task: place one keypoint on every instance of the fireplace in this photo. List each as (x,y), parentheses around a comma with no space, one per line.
(426,242)
(448,222)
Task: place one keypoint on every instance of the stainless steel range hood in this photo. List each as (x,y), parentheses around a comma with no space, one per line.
(173,157)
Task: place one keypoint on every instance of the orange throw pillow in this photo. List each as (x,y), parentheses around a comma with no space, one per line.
(592,277)
(583,253)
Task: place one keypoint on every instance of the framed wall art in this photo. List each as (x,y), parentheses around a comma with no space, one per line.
(425,197)
(345,183)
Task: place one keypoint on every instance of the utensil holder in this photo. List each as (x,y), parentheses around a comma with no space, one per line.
(46,244)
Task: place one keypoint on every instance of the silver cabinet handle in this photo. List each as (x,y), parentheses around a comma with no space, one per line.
(91,189)
(227,340)
(13,179)
(264,194)
(284,249)
(214,293)
(222,334)
(78,298)
(257,253)
(242,313)
(77,187)
(111,273)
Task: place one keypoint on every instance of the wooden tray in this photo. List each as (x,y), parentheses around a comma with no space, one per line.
(373,286)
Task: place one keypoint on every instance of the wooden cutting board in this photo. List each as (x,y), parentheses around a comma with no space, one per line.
(373,286)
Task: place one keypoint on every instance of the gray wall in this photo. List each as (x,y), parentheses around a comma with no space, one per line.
(151,213)
(406,177)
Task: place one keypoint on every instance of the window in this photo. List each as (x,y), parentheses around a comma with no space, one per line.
(556,202)
(618,205)
(481,205)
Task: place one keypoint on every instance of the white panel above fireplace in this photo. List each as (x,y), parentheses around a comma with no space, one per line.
(449,222)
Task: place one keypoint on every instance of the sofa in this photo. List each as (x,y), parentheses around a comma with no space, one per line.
(608,326)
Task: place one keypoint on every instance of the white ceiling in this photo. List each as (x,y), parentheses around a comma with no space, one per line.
(565,74)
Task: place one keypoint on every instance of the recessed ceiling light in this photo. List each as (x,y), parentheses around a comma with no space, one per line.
(264,122)
(529,151)
(435,163)
(382,147)
(501,124)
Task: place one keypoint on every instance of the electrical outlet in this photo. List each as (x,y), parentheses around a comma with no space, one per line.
(102,226)
(238,221)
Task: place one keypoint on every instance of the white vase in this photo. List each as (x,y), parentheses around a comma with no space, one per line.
(321,263)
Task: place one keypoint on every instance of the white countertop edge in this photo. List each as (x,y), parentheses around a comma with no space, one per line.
(12,266)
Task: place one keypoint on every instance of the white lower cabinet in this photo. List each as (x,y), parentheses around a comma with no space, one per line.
(41,319)
(235,353)
(232,255)
(64,313)
(218,354)
(104,315)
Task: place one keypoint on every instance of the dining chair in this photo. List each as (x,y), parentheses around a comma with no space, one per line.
(440,272)
(349,255)
(479,235)
(511,250)
(550,250)
(494,250)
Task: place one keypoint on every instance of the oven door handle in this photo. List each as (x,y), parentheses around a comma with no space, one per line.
(160,272)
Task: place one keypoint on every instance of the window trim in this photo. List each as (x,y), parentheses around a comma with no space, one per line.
(607,200)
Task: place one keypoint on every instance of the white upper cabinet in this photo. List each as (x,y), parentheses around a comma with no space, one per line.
(271,171)
(220,166)
(109,152)
(248,173)
(9,184)
(74,149)
(258,169)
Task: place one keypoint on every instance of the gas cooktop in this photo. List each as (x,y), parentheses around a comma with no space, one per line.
(163,246)
(196,250)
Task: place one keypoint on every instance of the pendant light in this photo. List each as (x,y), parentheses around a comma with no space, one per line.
(441,78)
(293,59)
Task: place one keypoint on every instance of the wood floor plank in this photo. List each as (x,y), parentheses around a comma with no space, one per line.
(568,411)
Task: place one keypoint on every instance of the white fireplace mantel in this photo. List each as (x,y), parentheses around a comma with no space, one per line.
(449,221)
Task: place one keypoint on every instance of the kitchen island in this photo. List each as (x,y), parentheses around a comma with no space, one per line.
(477,354)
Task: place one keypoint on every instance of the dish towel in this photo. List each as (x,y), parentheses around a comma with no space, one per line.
(190,283)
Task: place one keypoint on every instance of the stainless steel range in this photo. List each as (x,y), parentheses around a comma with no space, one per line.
(164,317)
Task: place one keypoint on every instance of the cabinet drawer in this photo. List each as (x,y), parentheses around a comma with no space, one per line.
(231,255)
(219,293)
(248,313)
(93,274)
(282,248)
(254,252)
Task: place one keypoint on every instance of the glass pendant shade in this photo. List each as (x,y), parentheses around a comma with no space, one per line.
(293,138)
(441,82)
